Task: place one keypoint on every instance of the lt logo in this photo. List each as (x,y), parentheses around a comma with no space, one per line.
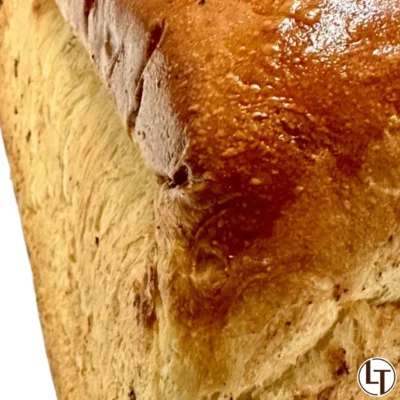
(376,377)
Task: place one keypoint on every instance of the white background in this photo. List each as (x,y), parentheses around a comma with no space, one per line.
(24,370)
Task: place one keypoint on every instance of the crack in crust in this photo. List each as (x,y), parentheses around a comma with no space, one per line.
(88,7)
(156,35)
(114,61)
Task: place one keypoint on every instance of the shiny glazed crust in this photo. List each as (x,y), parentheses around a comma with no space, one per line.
(250,112)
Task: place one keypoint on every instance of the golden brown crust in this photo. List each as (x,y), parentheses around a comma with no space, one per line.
(237,103)
(257,86)
(256,93)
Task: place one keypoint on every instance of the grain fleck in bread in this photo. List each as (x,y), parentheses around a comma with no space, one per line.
(264,264)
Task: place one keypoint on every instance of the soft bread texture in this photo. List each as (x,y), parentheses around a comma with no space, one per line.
(267,275)
(86,202)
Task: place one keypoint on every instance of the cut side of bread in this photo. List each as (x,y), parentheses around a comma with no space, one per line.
(86,201)
(159,280)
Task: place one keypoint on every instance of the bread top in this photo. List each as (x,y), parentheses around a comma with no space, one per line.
(272,126)
(258,87)
(255,89)
(234,103)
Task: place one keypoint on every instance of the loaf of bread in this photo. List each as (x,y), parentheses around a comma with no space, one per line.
(243,240)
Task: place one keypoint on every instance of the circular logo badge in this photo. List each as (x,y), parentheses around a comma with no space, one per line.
(376,377)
